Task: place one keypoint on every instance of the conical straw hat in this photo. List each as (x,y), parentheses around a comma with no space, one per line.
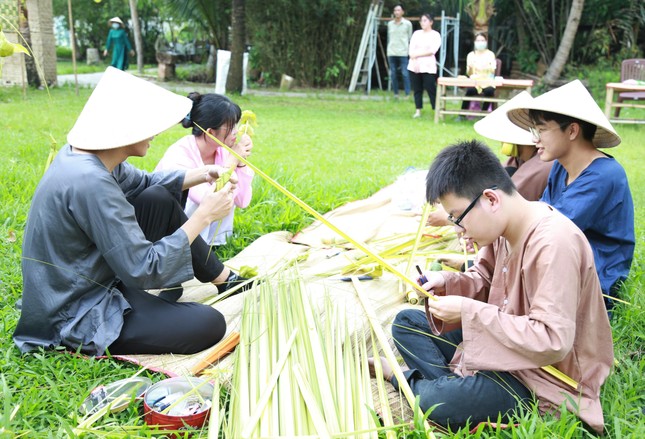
(115,20)
(123,110)
(573,100)
(497,126)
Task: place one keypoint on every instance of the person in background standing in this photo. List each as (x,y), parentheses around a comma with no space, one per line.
(118,42)
(399,32)
(423,64)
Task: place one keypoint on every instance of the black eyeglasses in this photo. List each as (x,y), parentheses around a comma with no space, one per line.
(468,209)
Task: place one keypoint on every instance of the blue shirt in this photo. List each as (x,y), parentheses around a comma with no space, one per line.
(600,203)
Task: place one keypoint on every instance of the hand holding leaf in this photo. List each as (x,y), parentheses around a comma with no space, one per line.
(248,121)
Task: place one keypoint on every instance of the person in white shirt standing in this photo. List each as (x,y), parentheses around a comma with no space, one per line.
(399,32)
(423,65)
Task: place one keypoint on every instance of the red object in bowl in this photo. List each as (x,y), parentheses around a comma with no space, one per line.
(172,386)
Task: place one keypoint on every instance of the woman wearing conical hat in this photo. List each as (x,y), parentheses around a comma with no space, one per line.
(118,42)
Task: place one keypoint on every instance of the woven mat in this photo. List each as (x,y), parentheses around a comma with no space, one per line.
(399,407)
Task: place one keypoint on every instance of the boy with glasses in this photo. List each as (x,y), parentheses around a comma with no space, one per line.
(587,185)
(530,304)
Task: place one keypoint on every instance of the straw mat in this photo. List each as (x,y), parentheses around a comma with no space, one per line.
(376,217)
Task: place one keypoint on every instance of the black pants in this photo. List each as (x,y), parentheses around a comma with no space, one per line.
(460,399)
(427,82)
(489,92)
(154,325)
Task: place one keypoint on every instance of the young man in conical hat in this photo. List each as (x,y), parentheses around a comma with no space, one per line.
(587,185)
(100,232)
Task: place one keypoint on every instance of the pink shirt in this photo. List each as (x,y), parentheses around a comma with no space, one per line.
(185,154)
(421,43)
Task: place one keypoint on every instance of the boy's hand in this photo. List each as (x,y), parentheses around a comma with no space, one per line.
(446,308)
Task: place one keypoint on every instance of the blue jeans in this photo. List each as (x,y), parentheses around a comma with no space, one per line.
(401,62)
(471,399)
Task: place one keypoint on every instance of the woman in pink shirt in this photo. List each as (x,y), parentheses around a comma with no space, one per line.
(218,115)
(423,64)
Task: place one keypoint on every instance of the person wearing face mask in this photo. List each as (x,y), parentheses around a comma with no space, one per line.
(480,64)
(118,42)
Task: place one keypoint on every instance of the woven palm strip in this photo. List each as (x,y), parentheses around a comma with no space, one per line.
(401,410)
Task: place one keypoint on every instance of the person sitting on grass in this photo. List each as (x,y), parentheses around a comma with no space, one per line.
(218,115)
(531,300)
(527,171)
(100,232)
(587,185)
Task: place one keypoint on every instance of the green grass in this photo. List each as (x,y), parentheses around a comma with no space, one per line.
(65,67)
(326,151)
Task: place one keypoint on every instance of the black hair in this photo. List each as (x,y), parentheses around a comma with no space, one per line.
(211,111)
(427,15)
(539,116)
(466,169)
(399,5)
(482,34)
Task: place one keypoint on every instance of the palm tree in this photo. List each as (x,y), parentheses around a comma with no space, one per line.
(480,12)
(560,59)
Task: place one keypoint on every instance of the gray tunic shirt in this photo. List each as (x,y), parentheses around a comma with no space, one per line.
(81,238)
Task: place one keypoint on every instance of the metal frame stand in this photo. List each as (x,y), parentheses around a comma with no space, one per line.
(449,25)
(366,57)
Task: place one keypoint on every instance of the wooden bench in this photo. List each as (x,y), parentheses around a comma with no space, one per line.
(463,82)
(610,104)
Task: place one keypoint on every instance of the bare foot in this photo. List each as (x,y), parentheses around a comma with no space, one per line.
(388,371)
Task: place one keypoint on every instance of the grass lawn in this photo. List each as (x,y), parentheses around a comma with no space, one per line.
(326,151)
(66,67)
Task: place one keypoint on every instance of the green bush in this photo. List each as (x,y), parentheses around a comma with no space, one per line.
(63,52)
(191,72)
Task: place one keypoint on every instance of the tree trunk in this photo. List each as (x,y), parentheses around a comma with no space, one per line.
(238,30)
(33,78)
(138,39)
(560,59)
(210,63)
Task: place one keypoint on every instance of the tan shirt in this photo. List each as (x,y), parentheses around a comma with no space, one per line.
(398,37)
(531,176)
(481,64)
(540,305)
